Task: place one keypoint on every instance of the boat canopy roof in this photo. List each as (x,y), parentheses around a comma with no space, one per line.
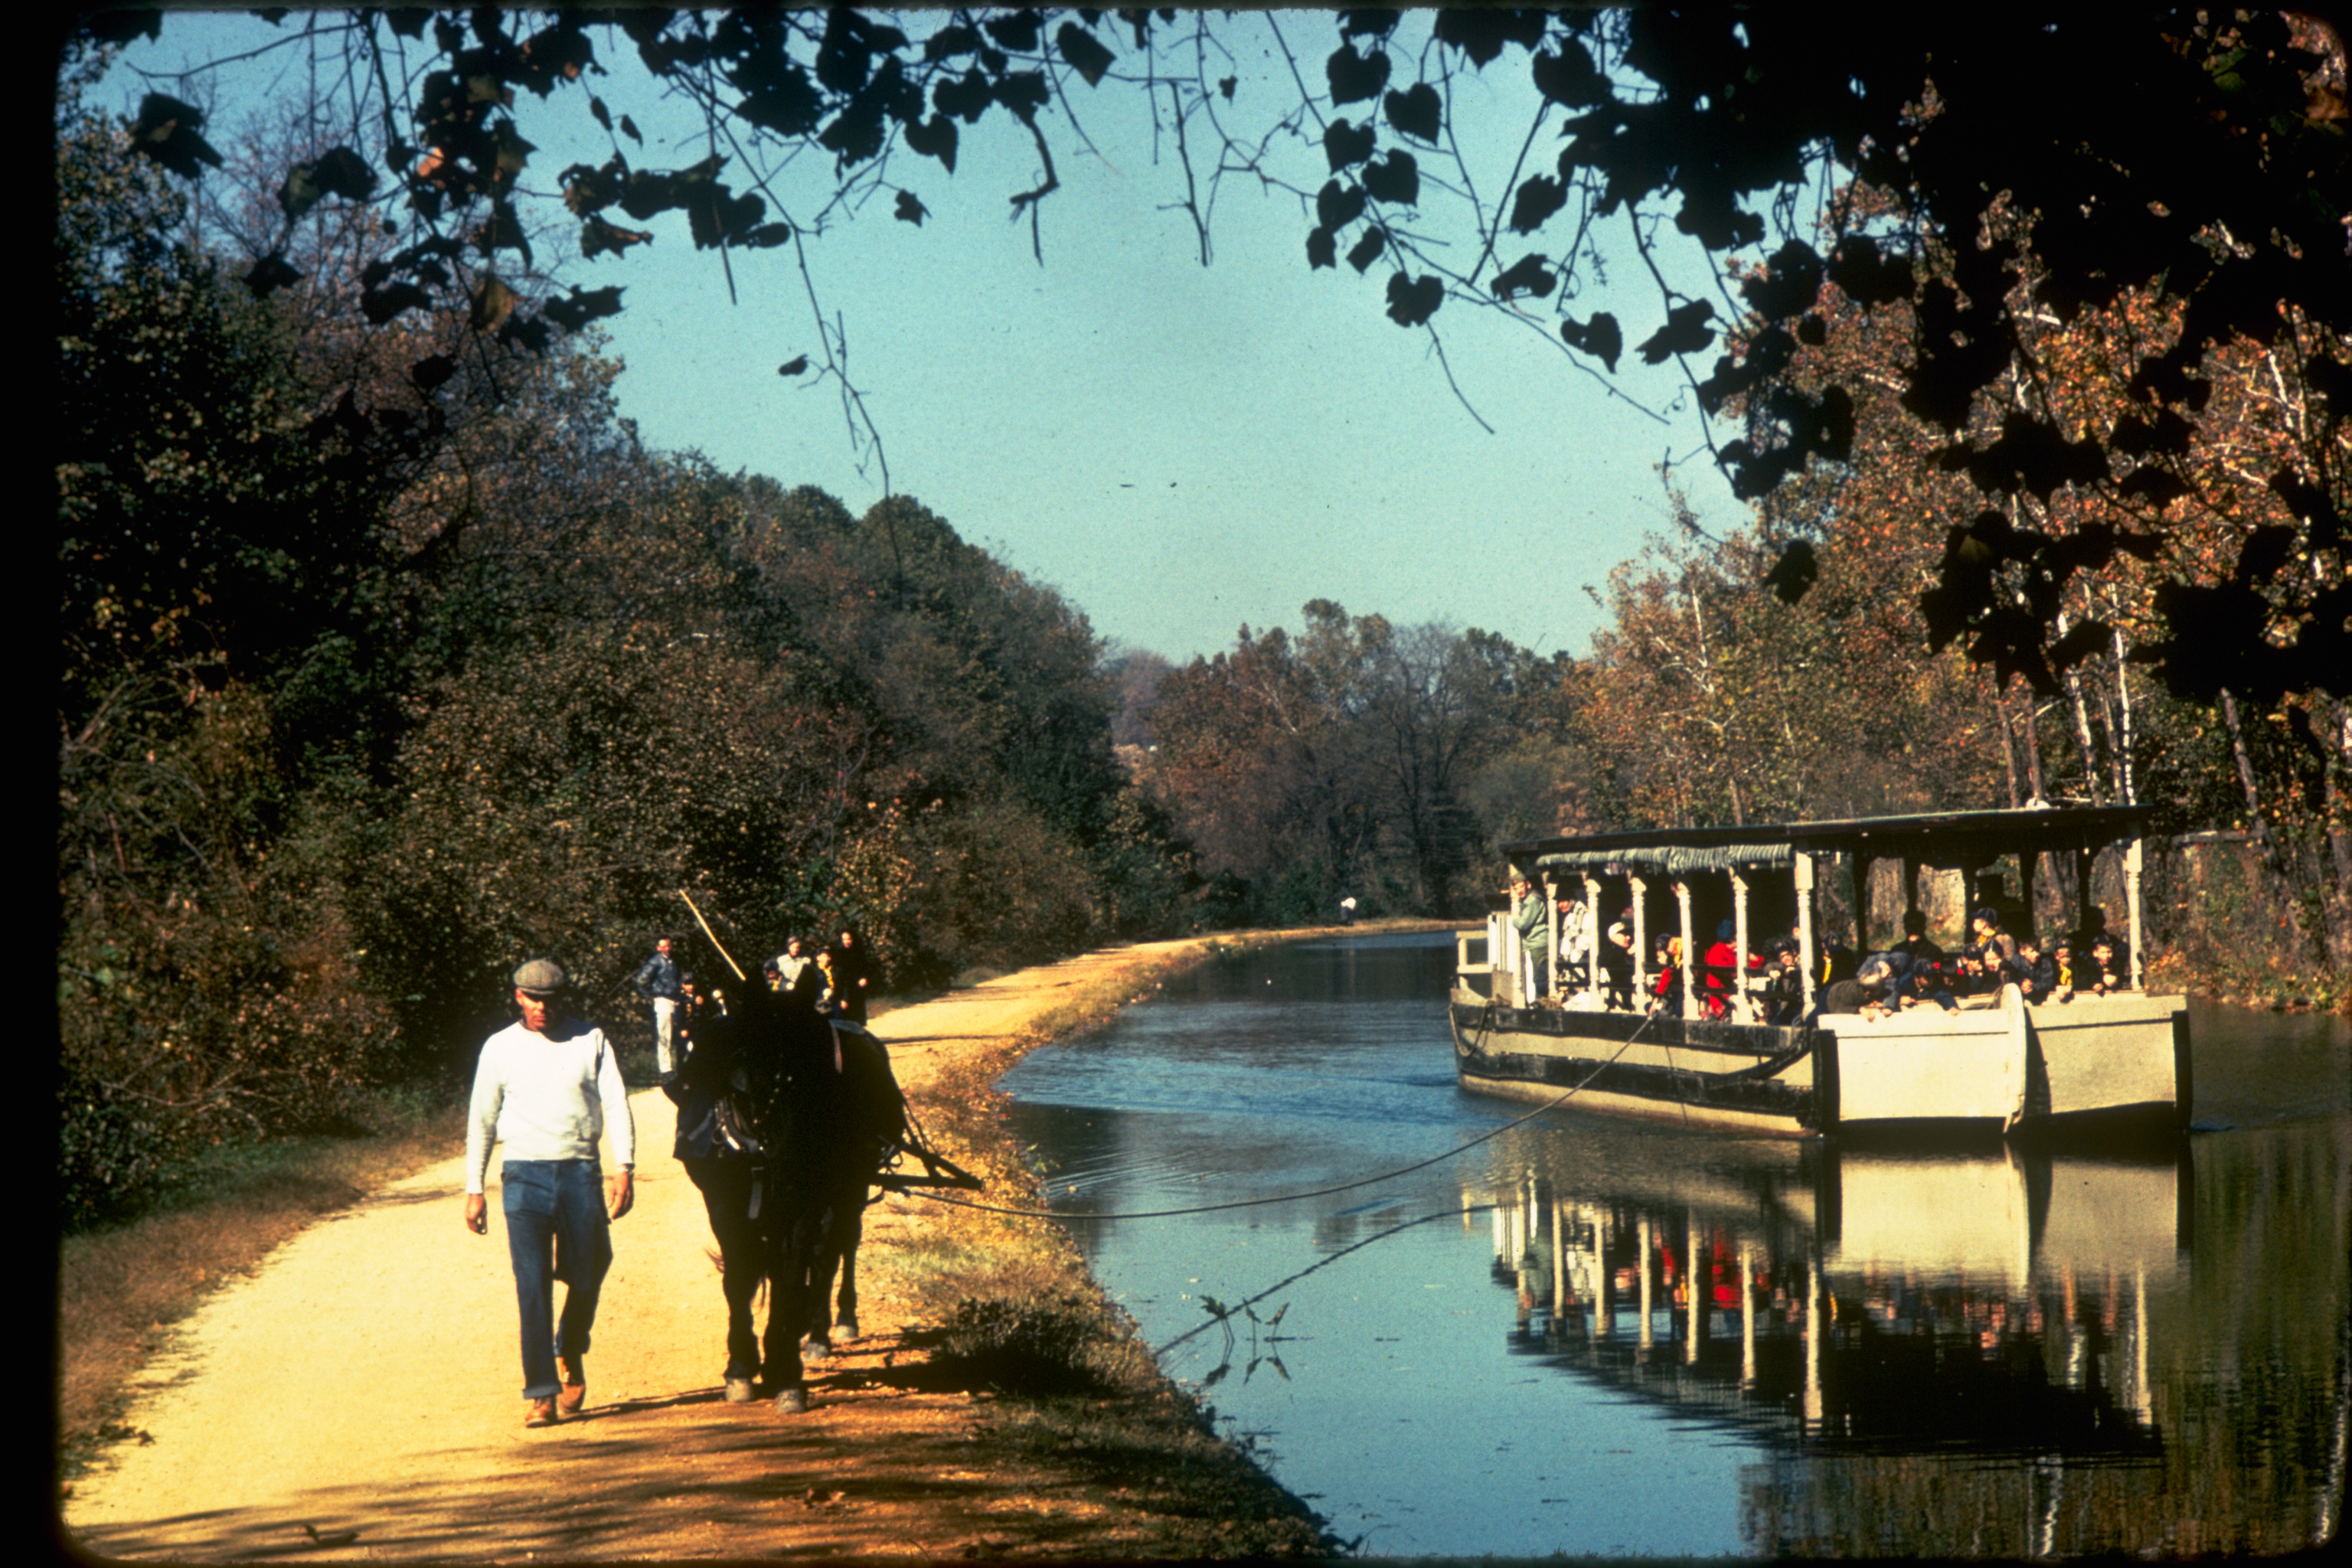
(1951,839)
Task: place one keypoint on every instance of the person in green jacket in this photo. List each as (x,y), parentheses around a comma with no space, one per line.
(1532,916)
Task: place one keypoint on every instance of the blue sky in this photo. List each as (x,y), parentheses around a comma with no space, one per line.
(1179,450)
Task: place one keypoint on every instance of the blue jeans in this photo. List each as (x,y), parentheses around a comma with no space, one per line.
(556,1229)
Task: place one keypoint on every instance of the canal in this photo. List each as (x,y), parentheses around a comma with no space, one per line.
(1589,1336)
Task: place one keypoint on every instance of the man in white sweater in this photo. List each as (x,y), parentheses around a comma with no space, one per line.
(547,1086)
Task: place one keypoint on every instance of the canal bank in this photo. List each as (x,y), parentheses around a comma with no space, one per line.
(352,1398)
(1461,1336)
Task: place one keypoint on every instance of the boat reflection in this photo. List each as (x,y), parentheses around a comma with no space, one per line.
(1989,1302)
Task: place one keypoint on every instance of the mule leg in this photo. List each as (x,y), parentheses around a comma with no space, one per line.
(726,1187)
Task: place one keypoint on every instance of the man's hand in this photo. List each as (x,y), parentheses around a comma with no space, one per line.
(620,1194)
(477,1214)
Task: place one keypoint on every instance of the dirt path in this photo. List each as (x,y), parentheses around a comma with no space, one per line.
(364,1384)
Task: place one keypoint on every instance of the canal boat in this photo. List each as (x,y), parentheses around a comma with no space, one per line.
(2117,1061)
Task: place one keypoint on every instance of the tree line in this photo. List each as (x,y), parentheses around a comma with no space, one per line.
(388,652)
(355,712)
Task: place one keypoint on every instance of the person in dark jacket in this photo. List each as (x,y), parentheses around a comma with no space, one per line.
(855,975)
(2035,970)
(658,982)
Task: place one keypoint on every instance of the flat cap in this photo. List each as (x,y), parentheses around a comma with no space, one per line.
(541,977)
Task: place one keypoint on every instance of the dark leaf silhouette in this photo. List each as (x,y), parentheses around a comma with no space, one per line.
(1570,77)
(1396,178)
(1415,111)
(270,274)
(166,131)
(1087,54)
(1366,248)
(1538,199)
(432,371)
(381,305)
(1411,301)
(1355,78)
(577,309)
(1322,248)
(1685,331)
(1481,32)
(1337,206)
(1600,337)
(598,238)
(1796,571)
(793,367)
(910,209)
(1345,145)
(1530,275)
(338,172)
(934,138)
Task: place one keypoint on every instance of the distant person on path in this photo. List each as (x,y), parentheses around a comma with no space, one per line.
(791,961)
(851,974)
(658,982)
(547,1088)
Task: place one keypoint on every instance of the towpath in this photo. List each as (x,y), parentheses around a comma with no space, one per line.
(355,1397)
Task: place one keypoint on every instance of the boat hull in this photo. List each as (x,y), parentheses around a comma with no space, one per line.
(2095,1062)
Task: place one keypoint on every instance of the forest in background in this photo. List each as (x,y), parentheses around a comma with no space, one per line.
(388,653)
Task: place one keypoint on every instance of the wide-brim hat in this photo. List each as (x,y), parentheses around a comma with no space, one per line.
(541,977)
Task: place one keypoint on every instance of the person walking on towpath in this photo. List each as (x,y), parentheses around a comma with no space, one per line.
(658,982)
(548,1088)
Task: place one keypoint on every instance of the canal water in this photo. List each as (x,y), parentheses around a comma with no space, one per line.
(1590,1336)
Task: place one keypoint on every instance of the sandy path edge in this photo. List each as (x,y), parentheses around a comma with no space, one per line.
(358,1394)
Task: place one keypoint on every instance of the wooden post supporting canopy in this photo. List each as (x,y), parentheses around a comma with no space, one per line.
(1742,1009)
(2131,902)
(1804,865)
(1641,886)
(1595,933)
(1690,949)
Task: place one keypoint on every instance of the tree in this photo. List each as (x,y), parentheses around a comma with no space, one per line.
(2193,156)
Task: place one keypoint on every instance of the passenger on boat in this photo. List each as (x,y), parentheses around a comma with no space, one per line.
(2069,972)
(1995,948)
(1666,985)
(2035,974)
(1617,967)
(1863,991)
(2105,971)
(1784,989)
(1575,935)
(1532,915)
(1719,979)
(1880,980)
(1916,944)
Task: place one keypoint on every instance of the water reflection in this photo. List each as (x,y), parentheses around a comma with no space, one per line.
(1590,1337)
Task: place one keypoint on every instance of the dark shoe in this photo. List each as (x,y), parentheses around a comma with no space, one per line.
(739,1390)
(575,1379)
(793,1401)
(541,1412)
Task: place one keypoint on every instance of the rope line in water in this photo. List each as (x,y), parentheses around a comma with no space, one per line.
(1318,1192)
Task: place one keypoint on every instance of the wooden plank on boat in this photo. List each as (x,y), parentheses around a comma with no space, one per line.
(1926,1063)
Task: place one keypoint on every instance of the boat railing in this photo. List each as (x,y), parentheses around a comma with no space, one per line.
(1474,966)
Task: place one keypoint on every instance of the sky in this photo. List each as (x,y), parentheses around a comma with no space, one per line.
(1179,450)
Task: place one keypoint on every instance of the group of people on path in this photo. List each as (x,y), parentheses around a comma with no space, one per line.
(833,978)
(1912,972)
(786,1111)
